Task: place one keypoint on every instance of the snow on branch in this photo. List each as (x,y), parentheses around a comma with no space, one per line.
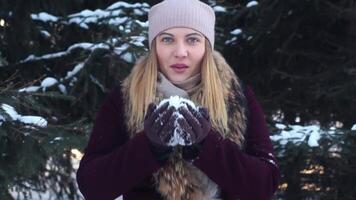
(251,3)
(34,120)
(113,15)
(298,134)
(122,4)
(84,45)
(45,17)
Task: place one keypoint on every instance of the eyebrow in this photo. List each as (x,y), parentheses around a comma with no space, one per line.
(190,34)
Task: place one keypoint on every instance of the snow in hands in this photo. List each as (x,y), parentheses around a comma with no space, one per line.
(179,136)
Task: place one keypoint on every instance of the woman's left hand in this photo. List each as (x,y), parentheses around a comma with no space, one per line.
(196,124)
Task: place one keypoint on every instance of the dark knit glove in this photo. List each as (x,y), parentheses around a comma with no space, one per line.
(159,127)
(159,124)
(196,123)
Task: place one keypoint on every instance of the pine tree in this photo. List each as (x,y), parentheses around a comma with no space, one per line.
(62,69)
(59,59)
(298,55)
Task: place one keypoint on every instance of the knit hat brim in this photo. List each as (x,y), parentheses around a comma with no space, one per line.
(192,14)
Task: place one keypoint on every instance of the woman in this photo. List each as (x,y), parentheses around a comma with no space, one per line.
(229,153)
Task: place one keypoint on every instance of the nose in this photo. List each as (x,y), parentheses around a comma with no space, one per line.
(181,51)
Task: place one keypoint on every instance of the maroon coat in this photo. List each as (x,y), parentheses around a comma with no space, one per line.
(113,165)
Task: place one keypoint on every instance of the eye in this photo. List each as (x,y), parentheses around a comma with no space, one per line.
(193,40)
(167,40)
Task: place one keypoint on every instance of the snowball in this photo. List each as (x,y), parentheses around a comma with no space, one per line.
(177,102)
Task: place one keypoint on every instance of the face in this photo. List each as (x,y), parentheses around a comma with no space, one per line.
(180,52)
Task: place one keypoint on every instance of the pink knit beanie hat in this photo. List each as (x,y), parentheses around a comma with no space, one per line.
(192,14)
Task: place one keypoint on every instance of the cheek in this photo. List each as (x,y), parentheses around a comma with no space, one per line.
(199,56)
(161,57)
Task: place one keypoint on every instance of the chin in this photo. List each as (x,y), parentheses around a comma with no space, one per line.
(178,79)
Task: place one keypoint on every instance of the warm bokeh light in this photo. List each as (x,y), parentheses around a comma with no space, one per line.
(311,187)
(313,169)
(2,22)
(283,186)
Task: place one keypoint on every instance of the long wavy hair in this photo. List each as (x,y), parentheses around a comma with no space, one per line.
(141,84)
(218,91)
(142,81)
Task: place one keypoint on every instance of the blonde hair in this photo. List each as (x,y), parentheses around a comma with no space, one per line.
(177,180)
(141,84)
(213,92)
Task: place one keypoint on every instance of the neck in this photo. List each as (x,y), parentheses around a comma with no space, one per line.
(188,84)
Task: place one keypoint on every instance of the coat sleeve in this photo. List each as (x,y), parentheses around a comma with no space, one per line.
(112,164)
(252,173)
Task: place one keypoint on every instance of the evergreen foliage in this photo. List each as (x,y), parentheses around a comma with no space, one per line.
(299,56)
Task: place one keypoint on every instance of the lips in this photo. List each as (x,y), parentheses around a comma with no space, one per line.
(179,68)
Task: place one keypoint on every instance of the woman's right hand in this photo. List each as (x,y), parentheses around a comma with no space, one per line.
(159,124)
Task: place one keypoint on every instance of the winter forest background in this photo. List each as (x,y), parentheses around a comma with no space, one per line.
(59,58)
